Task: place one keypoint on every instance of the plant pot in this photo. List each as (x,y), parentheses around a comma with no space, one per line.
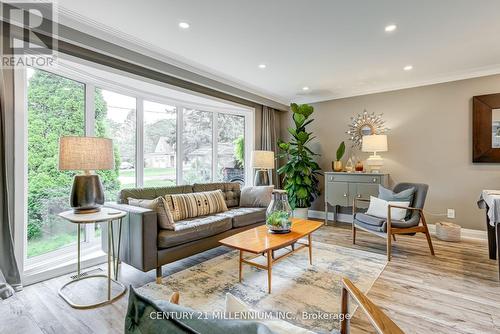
(337,166)
(301,213)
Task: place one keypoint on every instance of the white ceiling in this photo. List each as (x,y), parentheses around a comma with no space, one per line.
(337,48)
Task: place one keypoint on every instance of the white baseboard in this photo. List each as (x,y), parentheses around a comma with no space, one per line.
(344,218)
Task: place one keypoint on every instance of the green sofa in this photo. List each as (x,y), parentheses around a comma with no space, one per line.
(145,246)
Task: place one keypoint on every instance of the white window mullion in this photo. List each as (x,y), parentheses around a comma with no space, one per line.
(215,137)
(89,110)
(89,230)
(179,154)
(139,149)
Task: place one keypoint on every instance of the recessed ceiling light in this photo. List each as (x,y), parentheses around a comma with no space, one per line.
(305,88)
(183,25)
(262,66)
(408,68)
(391,27)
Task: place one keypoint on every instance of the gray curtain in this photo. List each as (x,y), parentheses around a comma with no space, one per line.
(10,279)
(269,138)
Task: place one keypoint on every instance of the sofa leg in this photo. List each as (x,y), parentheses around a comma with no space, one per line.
(158,275)
(353,234)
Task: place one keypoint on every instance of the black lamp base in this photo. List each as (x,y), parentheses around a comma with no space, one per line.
(87,194)
(261,177)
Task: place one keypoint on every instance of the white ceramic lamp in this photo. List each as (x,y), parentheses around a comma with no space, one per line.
(263,161)
(375,144)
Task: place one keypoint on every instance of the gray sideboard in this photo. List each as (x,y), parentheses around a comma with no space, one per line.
(342,188)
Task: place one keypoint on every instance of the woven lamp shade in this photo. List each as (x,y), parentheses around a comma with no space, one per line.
(262,159)
(85,153)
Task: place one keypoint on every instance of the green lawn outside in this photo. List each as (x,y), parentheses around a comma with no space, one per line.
(45,245)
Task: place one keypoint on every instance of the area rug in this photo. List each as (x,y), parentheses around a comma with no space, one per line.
(297,286)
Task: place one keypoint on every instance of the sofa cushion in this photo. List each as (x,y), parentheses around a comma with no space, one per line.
(192,229)
(257,196)
(152,193)
(196,204)
(164,216)
(245,216)
(231,191)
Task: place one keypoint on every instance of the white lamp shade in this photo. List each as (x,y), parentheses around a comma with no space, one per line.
(374,143)
(85,153)
(262,159)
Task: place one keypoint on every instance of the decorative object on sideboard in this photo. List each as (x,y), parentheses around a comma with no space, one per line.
(349,166)
(375,144)
(358,167)
(485,129)
(300,170)
(337,164)
(448,231)
(86,154)
(365,124)
(262,161)
(278,213)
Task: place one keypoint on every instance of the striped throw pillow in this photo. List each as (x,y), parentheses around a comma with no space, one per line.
(192,205)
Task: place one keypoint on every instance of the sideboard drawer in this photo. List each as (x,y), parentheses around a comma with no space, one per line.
(355,177)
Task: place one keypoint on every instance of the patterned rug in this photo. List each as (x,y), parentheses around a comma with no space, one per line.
(296,286)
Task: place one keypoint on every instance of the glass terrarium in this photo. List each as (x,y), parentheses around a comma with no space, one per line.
(278,213)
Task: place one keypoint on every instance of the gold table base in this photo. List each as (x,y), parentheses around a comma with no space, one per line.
(111,259)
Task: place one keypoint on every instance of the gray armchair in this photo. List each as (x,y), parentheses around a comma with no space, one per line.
(388,228)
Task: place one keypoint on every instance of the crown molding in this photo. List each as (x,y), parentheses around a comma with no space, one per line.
(446,78)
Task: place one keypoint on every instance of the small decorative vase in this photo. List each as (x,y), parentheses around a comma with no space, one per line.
(337,166)
(359,166)
(278,213)
(349,166)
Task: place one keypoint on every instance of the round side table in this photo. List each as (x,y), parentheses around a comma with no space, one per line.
(107,215)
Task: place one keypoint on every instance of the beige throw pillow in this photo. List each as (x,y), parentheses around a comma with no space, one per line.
(164,216)
(256,197)
(192,205)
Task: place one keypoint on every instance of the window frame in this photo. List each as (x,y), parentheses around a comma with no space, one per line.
(91,83)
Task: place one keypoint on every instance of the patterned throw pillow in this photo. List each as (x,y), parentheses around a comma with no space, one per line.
(192,205)
(164,216)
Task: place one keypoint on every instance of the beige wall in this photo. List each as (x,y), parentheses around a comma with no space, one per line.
(430,141)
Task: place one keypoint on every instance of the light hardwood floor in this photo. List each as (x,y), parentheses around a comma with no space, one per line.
(457,291)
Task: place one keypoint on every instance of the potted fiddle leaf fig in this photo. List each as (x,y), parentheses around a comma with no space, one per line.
(337,164)
(300,170)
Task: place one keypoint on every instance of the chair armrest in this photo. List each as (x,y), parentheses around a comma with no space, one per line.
(404,207)
(139,237)
(382,323)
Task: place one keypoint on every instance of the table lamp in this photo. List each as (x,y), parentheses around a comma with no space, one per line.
(86,154)
(262,161)
(374,143)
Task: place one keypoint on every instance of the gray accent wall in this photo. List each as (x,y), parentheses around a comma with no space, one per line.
(430,142)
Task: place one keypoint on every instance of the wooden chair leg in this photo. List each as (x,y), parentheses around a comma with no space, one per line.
(427,234)
(389,247)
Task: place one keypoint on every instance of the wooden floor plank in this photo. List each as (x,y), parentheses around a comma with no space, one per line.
(457,291)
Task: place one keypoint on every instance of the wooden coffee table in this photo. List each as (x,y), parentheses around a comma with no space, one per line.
(260,241)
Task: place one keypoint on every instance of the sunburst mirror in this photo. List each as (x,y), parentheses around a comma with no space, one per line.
(365,124)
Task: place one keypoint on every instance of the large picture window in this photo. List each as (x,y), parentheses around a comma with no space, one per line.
(158,141)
